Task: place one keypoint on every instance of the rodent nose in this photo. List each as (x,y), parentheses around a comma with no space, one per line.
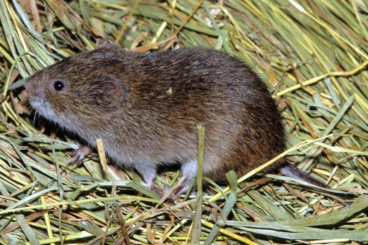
(34,88)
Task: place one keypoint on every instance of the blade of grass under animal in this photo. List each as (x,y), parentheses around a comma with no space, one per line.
(333,218)
(360,236)
(196,226)
(230,202)
(20,219)
(230,234)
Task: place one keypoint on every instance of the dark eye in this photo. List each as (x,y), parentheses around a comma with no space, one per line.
(59,85)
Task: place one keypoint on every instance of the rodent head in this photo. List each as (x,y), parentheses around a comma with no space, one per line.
(77,88)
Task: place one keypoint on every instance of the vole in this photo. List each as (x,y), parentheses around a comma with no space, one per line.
(146,108)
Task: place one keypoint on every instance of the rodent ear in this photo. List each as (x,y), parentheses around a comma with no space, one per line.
(111,94)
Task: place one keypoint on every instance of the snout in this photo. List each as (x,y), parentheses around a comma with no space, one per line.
(34,89)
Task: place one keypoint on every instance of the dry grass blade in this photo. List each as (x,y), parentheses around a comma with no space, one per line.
(196,228)
(313,54)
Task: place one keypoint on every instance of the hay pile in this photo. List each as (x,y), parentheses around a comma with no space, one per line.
(312,53)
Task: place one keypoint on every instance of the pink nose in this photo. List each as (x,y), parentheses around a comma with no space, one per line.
(34,89)
(40,90)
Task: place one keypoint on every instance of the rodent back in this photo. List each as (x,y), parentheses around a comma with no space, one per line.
(241,119)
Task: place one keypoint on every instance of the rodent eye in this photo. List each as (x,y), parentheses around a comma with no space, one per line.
(59,85)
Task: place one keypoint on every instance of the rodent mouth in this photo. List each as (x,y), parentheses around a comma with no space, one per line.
(35,104)
(41,107)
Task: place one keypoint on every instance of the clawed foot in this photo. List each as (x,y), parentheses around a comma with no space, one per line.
(171,193)
(165,193)
(79,154)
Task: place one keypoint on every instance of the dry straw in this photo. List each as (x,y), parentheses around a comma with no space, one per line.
(313,55)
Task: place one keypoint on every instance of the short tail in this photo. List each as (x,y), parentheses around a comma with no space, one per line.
(291,171)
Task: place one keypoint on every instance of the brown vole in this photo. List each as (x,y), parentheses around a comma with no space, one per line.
(146,107)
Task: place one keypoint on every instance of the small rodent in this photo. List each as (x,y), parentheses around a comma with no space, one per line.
(146,108)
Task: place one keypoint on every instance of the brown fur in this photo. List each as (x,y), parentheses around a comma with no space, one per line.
(122,97)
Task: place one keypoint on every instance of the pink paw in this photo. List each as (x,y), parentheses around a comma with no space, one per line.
(172,193)
(79,154)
